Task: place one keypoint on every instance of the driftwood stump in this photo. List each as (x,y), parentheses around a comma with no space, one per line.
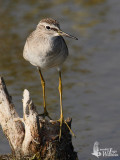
(33,136)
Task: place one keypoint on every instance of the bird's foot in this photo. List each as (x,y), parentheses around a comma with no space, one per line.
(61,121)
(45,114)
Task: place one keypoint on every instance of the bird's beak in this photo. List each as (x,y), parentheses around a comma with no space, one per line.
(67,35)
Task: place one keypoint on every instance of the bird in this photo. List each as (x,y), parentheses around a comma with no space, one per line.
(46,48)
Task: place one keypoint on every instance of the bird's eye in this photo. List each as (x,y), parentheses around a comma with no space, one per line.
(47,27)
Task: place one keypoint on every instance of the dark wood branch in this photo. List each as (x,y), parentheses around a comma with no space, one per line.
(32,135)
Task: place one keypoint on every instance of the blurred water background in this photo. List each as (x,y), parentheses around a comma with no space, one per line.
(91,75)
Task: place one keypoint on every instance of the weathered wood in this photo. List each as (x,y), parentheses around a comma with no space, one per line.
(14,131)
(32,135)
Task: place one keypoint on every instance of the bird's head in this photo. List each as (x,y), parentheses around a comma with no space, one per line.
(52,27)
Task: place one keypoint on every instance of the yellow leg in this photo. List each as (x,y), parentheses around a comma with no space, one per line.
(43,87)
(61,109)
(61,120)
